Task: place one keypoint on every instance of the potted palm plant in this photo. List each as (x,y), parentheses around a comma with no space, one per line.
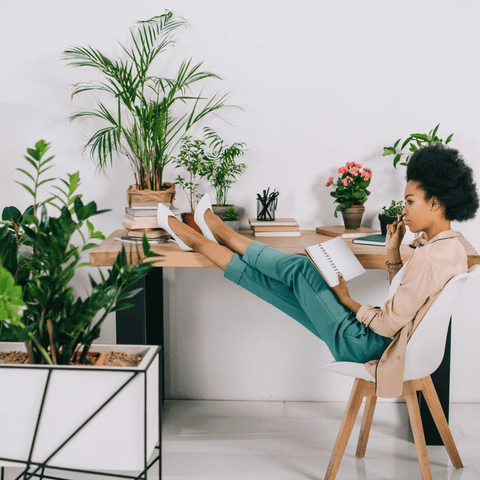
(148,114)
(41,319)
(232,217)
(220,168)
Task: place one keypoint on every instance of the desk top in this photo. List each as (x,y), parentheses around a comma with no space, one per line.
(371,257)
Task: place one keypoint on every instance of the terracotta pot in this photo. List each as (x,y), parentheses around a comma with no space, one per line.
(219,210)
(384,221)
(352,217)
(151,197)
(187,218)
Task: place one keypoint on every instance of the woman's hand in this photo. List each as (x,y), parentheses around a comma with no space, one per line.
(341,290)
(395,234)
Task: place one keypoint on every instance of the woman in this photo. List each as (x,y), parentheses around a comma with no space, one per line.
(440,188)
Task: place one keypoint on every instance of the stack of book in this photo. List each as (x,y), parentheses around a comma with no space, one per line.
(343,232)
(141,219)
(280,227)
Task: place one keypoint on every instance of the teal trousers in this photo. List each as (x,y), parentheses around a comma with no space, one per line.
(293,285)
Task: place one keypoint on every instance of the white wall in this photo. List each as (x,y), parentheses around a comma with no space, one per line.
(322,83)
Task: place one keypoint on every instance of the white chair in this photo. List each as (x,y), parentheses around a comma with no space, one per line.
(424,354)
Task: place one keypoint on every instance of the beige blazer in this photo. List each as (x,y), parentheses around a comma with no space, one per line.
(426,273)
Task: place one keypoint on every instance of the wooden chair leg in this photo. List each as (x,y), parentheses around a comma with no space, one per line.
(410,396)
(367,418)
(436,410)
(351,412)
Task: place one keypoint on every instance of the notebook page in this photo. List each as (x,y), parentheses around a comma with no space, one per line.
(317,255)
(343,258)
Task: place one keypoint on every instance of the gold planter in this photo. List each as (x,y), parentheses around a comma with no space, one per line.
(352,217)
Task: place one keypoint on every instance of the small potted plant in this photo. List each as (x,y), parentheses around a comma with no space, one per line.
(231,217)
(192,157)
(351,193)
(220,168)
(388,215)
(414,142)
(42,320)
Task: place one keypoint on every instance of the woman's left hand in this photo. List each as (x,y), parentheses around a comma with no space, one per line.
(341,290)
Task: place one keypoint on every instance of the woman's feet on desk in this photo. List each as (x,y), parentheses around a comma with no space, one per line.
(163,220)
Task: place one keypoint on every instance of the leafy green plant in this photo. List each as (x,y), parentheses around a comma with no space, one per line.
(191,157)
(351,186)
(38,256)
(150,113)
(414,142)
(231,214)
(220,167)
(394,209)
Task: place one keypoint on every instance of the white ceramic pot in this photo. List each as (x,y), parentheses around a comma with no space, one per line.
(233,224)
(114,439)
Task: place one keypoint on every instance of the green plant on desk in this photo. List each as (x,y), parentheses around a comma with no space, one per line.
(395,208)
(414,142)
(231,214)
(38,260)
(220,168)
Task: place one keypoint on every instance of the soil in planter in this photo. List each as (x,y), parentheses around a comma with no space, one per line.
(112,359)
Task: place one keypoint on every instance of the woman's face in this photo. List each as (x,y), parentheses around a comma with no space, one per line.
(420,214)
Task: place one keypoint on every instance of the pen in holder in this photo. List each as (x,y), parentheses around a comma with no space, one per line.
(266,205)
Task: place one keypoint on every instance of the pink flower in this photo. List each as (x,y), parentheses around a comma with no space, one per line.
(342,170)
(366,175)
(330,181)
(350,164)
(347,180)
(366,169)
(353,171)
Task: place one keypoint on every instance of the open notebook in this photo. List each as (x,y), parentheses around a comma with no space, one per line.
(333,257)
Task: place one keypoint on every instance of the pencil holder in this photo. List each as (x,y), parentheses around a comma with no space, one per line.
(266,212)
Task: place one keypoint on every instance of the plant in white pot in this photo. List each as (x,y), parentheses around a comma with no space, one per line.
(221,169)
(145,115)
(88,417)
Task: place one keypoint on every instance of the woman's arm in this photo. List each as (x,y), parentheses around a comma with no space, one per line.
(395,234)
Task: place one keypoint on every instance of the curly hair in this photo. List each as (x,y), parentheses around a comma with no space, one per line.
(443,174)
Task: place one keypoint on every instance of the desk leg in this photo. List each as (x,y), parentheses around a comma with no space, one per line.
(143,323)
(441,381)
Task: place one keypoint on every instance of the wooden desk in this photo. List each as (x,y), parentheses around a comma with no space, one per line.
(143,323)
(371,257)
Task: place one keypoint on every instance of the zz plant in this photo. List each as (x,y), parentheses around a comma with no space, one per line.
(37,262)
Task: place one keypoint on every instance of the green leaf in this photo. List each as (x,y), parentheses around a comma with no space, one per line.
(449,138)
(12,214)
(388,151)
(396,160)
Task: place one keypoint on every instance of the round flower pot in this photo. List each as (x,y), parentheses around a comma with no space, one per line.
(352,217)
(187,218)
(384,221)
(151,197)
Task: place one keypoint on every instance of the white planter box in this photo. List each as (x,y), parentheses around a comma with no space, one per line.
(114,439)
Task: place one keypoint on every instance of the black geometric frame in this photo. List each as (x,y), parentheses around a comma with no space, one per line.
(37,469)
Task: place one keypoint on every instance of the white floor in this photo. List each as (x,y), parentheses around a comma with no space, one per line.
(218,440)
(294,440)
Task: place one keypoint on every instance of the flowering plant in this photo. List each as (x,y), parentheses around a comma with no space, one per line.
(351,186)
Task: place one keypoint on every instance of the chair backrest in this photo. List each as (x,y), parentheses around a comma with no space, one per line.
(426,348)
